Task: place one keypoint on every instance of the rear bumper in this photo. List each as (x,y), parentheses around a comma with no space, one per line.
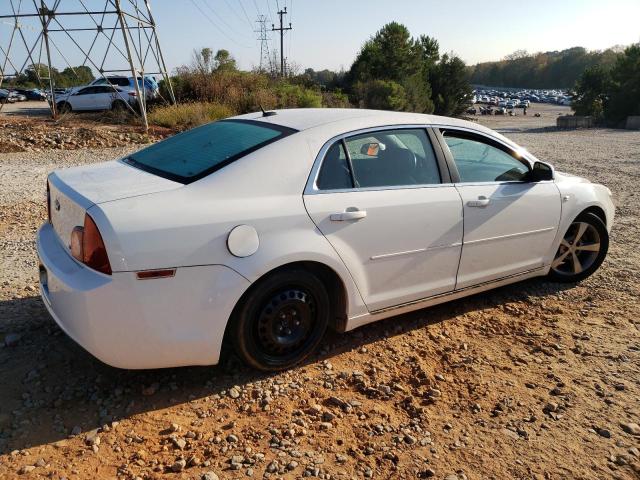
(137,324)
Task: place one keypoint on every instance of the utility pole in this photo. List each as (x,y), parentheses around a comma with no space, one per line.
(264,41)
(282,29)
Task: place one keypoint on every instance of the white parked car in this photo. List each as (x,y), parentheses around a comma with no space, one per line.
(265,229)
(95,97)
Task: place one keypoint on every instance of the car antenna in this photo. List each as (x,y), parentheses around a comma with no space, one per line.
(269,113)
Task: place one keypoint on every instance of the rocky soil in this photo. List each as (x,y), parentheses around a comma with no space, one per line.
(532,381)
(21,134)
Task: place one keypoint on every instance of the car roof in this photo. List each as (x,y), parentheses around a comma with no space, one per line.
(342,120)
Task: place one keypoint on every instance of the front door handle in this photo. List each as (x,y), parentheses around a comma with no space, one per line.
(482,201)
(348,215)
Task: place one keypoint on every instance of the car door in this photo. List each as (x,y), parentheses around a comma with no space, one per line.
(104,97)
(82,99)
(384,200)
(510,222)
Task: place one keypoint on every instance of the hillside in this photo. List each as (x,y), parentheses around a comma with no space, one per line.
(558,69)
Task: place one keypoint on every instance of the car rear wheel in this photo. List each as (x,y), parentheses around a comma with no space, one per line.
(282,320)
(119,106)
(64,107)
(582,250)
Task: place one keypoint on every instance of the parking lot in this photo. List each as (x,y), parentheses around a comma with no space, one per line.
(534,380)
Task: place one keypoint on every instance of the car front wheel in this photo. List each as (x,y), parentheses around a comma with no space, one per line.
(282,320)
(64,107)
(582,250)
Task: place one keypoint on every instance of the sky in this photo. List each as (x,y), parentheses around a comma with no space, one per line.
(329,33)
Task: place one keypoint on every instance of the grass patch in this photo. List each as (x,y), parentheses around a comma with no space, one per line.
(188,115)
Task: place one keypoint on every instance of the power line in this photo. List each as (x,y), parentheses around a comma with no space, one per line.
(219,17)
(245,12)
(204,14)
(236,13)
(257,9)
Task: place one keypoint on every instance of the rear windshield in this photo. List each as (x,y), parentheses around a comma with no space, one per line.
(194,154)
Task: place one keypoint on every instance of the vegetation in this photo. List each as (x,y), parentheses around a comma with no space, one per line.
(610,94)
(187,115)
(69,77)
(541,70)
(394,71)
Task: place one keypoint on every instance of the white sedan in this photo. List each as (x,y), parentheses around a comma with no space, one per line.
(268,228)
(95,97)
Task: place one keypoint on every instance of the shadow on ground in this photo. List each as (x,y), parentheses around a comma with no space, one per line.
(50,384)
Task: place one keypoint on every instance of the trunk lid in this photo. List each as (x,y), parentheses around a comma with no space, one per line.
(74,190)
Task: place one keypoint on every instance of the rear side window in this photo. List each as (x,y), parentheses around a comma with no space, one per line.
(334,174)
(194,154)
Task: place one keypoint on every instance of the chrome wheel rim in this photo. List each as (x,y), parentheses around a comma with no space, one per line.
(578,250)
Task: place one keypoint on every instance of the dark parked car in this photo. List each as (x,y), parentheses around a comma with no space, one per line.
(6,97)
(32,93)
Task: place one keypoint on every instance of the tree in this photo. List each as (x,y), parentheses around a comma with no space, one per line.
(391,54)
(625,86)
(202,60)
(591,92)
(382,95)
(451,90)
(613,94)
(394,63)
(224,61)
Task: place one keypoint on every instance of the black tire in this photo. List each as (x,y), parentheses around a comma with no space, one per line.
(595,234)
(64,107)
(118,106)
(281,320)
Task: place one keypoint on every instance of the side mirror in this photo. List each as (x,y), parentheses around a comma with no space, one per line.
(541,172)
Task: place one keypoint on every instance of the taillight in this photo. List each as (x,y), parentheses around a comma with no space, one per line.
(88,247)
(48,202)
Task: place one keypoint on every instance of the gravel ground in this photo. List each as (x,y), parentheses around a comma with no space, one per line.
(531,381)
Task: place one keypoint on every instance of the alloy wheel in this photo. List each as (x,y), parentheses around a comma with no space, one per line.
(578,249)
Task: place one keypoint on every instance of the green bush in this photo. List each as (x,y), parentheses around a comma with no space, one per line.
(296,96)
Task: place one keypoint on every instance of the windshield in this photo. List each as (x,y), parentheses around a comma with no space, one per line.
(194,154)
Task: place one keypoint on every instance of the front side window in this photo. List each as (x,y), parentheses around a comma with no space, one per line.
(194,154)
(478,161)
(387,158)
(86,91)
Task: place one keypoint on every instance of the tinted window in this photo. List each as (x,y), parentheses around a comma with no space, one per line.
(334,173)
(393,158)
(196,153)
(105,89)
(87,91)
(478,161)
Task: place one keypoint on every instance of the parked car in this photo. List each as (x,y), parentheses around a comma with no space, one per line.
(31,93)
(267,228)
(103,97)
(151,88)
(6,97)
(18,97)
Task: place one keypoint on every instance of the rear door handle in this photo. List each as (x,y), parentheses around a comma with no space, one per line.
(348,215)
(482,201)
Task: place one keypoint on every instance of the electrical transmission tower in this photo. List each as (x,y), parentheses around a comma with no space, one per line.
(263,38)
(109,37)
(281,29)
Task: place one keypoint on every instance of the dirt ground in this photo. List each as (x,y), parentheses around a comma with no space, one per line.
(532,381)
